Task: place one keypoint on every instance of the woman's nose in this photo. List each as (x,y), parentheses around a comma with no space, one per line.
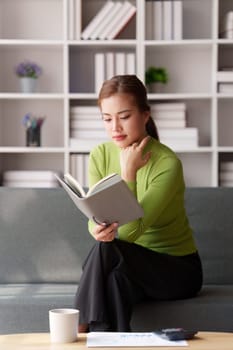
(116,125)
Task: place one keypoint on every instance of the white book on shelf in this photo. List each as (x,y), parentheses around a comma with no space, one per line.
(87,134)
(130,63)
(171,115)
(73,164)
(226,175)
(149,20)
(28,175)
(106,22)
(226,183)
(169,106)
(158,20)
(86,166)
(99,70)
(178,144)
(97,19)
(172,123)
(167,20)
(225,87)
(85,109)
(179,133)
(85,145)
(177,21)
(120,63)
(110,64)
(30,184)
(122,18)
(88,117)
(77,19)
(226,166)
(86,124)
(225,76)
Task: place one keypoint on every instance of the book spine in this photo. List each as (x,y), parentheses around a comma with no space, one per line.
(106,22)
(123,21)
(168,106)
(85,109)
(167,20)
(99,70)
(158,20)
(91,27)
(177,20)
(71,19)
(120,63)
(149,20)
(87,124)
(166,123)
(130,63)
(110,65)
(88,134)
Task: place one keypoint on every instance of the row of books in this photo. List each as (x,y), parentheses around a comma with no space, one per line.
(109,22)
(226,174)
(226,31)
(225,80)
(79,168)
(29,178)
(164,20)
(87,130)
(108,64)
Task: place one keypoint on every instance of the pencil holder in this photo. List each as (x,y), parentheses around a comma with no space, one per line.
(33,137)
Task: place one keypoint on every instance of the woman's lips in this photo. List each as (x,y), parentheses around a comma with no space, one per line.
(119,137)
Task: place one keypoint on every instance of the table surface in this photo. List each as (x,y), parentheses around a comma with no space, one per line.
(40,341)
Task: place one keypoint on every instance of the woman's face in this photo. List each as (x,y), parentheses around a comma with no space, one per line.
(123,121)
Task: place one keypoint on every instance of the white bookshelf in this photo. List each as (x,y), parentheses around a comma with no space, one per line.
(45,31)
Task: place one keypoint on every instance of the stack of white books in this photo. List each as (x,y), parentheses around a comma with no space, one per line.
(227,26)
(109,22)
(108,64)
(164,20)
(170,119)
(79,168)
(225,80)
(226,174)
(29,178)
(86,127)
(74,19)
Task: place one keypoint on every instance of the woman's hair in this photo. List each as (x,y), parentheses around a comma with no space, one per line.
(130,84)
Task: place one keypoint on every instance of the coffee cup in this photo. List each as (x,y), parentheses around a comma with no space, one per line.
(63,325)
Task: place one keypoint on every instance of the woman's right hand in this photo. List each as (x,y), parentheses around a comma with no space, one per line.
(105,233)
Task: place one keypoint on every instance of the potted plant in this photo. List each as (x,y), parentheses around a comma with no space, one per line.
(28,72)
(156,77)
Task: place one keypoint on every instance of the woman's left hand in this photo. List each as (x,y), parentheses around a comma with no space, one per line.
(132,159)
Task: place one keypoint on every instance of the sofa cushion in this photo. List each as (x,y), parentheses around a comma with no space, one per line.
(212,310)
(25,307)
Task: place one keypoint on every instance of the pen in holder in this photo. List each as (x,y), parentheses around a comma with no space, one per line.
(33,130)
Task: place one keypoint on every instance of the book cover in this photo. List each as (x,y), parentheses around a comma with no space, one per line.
(94,23)
(108,201)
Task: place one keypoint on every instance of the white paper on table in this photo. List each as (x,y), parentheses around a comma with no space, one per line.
(117,339)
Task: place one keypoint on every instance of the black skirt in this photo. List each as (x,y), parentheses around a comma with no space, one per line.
(118,274)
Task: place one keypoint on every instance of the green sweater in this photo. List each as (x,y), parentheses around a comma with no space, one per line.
(159,189)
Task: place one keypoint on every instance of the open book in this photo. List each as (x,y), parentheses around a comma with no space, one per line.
(109,200)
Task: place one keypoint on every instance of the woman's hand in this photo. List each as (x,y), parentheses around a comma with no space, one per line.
(105,233)
(132,159)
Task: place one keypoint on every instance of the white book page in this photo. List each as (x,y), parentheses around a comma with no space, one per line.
(74,184)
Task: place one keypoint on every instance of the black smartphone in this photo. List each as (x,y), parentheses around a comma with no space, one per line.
(176,333)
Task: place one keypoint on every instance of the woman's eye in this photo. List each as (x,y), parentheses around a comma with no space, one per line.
(125,117)
(107,120)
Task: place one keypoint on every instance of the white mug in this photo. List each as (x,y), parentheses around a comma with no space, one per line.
(63,324)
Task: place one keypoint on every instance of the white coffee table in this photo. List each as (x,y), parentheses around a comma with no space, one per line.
(41,341)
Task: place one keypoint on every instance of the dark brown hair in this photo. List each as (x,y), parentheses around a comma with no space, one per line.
(131,85)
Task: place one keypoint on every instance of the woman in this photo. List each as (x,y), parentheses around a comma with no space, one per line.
(154,256)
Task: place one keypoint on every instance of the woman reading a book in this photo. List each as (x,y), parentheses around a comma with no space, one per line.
(155,256)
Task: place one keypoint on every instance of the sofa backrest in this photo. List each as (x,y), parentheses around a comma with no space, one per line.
(44,237)
(210,211)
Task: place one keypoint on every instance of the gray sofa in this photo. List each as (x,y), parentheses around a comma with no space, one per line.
(44,240)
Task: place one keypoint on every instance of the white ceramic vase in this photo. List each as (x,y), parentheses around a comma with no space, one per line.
(28,85)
